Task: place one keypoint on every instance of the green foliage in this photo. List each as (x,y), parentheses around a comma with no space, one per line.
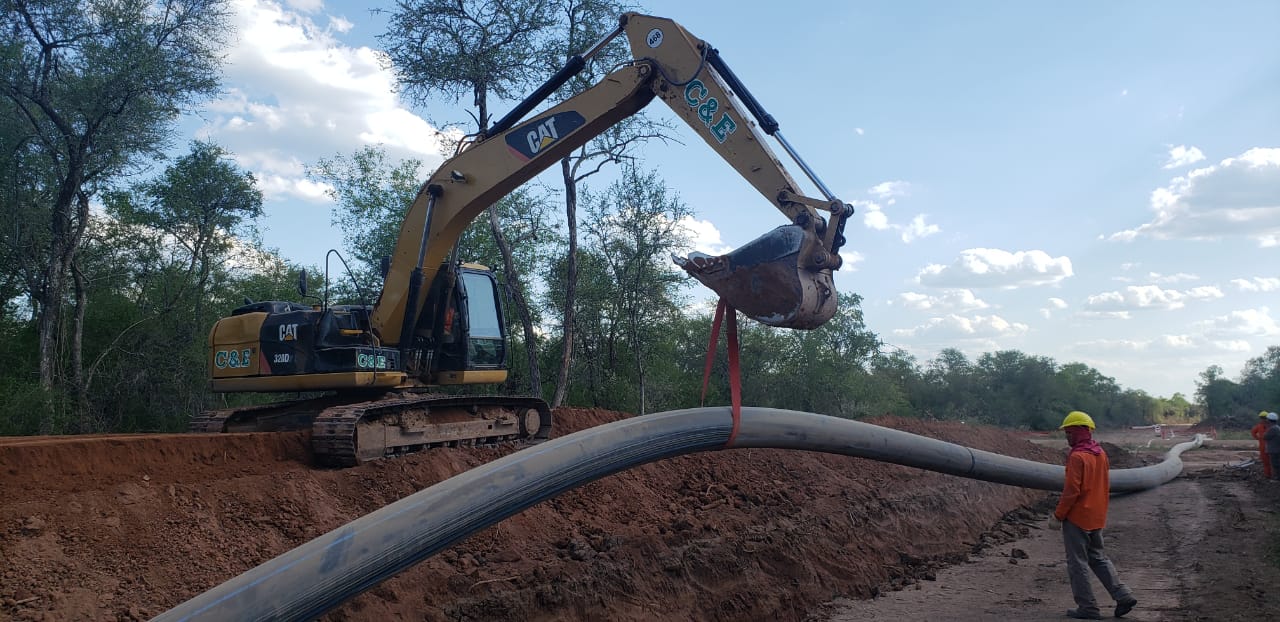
(467,47)
(628,292)
(371,197)
(91,90)
(1236,403)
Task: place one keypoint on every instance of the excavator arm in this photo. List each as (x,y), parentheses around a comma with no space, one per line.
(782,279)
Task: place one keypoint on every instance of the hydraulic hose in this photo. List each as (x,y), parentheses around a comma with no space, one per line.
(317,576)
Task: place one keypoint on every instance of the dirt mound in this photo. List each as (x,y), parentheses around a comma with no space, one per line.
(125,527)
(1120,458)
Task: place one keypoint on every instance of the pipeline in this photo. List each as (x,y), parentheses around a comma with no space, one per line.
(319,575)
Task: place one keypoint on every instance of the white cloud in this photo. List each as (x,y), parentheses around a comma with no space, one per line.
(1183,155)
(1156,277)
(889,191)
(1257,284)
(340,24)
(1238,197)
(918,229)
(704,236)
(991,267)
(1124,92)
(1244,322)
(1105,315)
(296,187)
(954,326)
(300,95)
(954,300)
(1136,297)
(874,216)
(305,6)
(1053,304)
(859,131)
(851,260)
(1176,345)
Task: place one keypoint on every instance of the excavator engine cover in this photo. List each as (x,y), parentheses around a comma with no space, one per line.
(782,278)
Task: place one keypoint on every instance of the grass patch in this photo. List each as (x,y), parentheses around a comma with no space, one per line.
(1234,435)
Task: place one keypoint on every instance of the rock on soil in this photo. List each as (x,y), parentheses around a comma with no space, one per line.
(124,527)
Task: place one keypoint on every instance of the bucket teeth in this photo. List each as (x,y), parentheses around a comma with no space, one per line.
(780,279)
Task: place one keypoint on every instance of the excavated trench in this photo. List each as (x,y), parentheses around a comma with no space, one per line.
(128,527)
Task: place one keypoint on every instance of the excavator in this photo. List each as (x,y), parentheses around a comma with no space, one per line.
(438,322)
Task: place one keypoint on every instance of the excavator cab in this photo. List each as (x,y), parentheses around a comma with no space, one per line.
(473,332)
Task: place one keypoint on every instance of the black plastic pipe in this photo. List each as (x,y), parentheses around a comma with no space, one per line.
(319,575)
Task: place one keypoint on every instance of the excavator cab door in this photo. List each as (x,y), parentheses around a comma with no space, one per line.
(475,336)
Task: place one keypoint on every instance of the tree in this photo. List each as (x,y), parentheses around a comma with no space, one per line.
(173,237)
(371,196)
(1216,393)
(583,22)
(950,386)
(96,85)
(634,227)
(1260,380)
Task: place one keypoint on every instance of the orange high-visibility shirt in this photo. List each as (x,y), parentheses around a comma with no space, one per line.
(1086,491)
(1258,431)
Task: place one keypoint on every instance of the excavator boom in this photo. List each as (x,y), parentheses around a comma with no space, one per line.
(781,279)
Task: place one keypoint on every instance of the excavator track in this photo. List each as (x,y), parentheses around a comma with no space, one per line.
(345,434)
(274,417)
(354,433)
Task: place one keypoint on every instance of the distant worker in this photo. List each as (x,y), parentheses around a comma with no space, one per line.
(1081,514)
(1272,437)
(1256,433)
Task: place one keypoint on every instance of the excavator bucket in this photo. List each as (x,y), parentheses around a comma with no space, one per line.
(782,278)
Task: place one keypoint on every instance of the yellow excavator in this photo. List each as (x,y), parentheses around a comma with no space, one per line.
(439,322)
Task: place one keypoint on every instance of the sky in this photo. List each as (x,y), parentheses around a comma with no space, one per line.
(1091,181)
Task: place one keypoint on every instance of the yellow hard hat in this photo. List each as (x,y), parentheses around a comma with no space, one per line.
(1075,418)
(1262,414)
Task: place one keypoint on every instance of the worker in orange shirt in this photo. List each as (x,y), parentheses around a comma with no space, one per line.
(1081,514)
(1256,433)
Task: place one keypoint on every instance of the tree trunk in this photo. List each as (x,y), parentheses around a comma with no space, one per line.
(77,350)
(67,233)
(640,378)
(47,327)
(517,296)
(571,283)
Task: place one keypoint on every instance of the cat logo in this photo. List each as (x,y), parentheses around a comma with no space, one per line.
(535,136)
(288,332)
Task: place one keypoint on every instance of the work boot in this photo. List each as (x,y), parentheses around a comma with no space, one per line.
(1125,606)
(1081,614)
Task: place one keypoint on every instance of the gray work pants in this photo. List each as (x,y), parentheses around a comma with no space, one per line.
(1275,465)
(1084,553)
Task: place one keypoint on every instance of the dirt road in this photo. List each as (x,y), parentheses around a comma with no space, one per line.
(1195,549)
